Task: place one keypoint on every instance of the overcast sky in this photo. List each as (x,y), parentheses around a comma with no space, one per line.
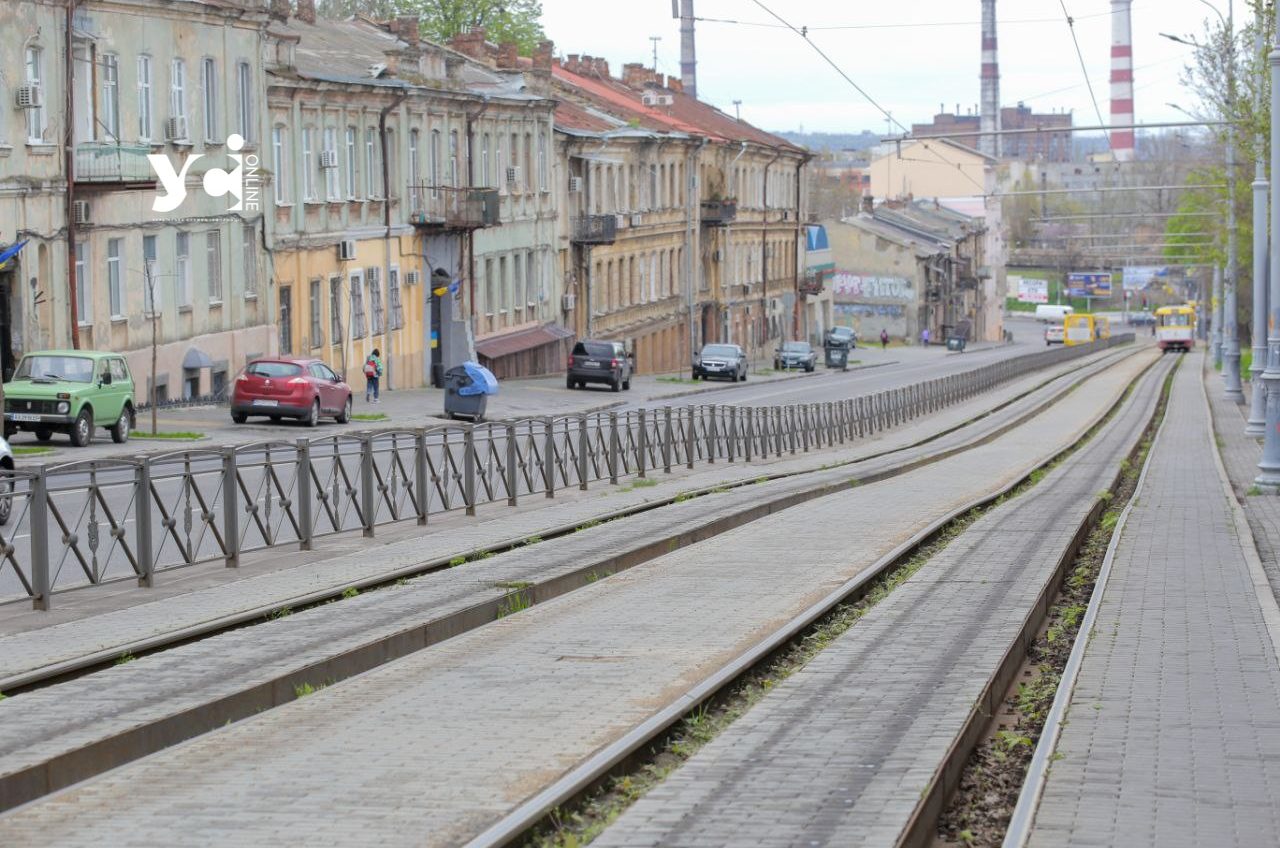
(911,66)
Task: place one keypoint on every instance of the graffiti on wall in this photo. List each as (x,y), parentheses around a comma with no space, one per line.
(863,310)
(846,286)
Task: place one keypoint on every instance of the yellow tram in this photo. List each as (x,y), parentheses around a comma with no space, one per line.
(1176,328)
(1083,329)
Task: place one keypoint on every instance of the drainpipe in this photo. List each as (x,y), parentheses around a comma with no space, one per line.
(386,221)
(69,160)
(693,203)
(471,183)
(795,266)
(764,243)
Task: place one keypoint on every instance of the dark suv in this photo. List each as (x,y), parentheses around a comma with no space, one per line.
(594,361)
(795,355)
(721,360)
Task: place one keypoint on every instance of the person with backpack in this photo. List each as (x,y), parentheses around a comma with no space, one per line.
(372,373)
(884,339)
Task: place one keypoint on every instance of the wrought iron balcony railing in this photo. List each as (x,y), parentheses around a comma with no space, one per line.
(452,208)
(111,162)
(595,229)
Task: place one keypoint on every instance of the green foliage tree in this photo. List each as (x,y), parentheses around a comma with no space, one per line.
(440,20)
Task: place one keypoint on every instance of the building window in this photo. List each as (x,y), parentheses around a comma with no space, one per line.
(374,276)
(279,154)
(285,296)
(182,267)
(357,307)
(111,97)
(209,88)
(332,179)
(528,160)
(415,175)
(371,167)
(178,90)
(391,178)
(434,161)
(213,254)
(151,289)
(244,86)
(35,77)
(542,162)
(453,158)
(115,290)
(484,159)
(84,312)
(490,294)
(308,164)
(498,182)
(335,309)
(517,277)
(393,298)
(531,281)
(317,337)
(352,163)
(144,98)
(250,261)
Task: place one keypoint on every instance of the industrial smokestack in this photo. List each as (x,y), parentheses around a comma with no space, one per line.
(990,112)
(1122,146)
(688,57)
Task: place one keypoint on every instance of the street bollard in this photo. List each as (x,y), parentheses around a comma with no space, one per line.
(303,477)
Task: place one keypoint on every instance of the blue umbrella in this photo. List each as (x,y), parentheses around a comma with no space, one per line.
(10,252)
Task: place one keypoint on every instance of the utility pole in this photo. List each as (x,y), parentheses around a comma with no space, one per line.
(69,162)
(1269,465)
(1257,425)
(1231,356)
(655,39)
(1216,320)
(155,315)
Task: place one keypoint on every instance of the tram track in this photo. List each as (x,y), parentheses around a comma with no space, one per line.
(575,808)
(142,738)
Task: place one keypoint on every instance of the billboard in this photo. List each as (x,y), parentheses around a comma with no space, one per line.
(1145,276)
(1030,290)
(1089,285)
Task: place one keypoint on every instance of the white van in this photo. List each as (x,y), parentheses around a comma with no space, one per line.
(1048,312)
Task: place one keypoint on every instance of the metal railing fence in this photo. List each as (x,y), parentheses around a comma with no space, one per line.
(103,521)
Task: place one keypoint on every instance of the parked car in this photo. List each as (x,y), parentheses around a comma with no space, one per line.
(72,392)
(305,389)
(595,361)
(1047,313)
(842,337)
(6,484)
(1054,334)
(1141,319)
(795,355)
(721,360)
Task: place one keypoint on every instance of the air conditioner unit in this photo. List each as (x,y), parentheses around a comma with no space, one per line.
(30,97)
(575,185)
(513,175)
(619,221)
(81,212)
(328,158)
(411,278)
(569,302)
(175,129)
(346,250)
(636,219)
(656,98)
(717,256)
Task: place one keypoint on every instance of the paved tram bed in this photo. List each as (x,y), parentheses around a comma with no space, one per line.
(1173,734)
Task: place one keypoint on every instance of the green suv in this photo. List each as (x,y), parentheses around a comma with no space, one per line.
(70,391)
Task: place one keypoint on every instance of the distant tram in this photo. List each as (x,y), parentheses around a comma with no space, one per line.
(1083,329)
(1176,328)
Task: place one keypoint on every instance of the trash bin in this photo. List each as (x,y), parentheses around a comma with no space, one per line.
(466,391)
(838,357)
(955,343)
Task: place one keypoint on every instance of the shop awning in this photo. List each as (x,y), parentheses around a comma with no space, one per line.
(10,252)
(497,347)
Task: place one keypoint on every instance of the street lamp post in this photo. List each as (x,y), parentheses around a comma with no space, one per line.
(1231,335)
(1269,465)
(1257,425)
(1215,311)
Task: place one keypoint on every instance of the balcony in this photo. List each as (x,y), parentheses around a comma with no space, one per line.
(111,162)
(812,283)
(719,213)
(450,208)
(595,229)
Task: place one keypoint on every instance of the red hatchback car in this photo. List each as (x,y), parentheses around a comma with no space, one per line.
(305,389)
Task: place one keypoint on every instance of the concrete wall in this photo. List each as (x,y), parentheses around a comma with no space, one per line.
(878,283)
(939,170)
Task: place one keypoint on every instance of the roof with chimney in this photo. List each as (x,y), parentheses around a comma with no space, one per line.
(341,51)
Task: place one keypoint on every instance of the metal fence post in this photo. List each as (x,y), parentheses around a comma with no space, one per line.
(613,448)
(712,434)
(368,505)
(584,448)
(513,473)
(666,439)
(778,434)
(731,442)
(40,588)
(549,456)
(642,443)
(142,519)
(690,438)
(231,507)
(303,476)
(751,434)
(420,475)
(469,469)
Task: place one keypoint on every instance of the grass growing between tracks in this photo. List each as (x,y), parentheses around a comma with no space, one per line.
(582,822)
(978,813)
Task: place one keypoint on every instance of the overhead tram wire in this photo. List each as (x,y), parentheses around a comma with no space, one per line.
(1071,25)
(904,25)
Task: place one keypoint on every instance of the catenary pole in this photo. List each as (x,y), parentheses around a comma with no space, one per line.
(1257,424)
(1231,331)
(1269,465)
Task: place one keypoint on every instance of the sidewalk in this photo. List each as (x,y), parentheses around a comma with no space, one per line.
(1172,736)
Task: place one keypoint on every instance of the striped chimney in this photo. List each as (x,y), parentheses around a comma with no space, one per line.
(990,112)
(1122,146)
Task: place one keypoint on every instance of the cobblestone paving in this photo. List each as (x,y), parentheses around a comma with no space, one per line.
(1173,733)
(840,753)
(431,748)
(111,631)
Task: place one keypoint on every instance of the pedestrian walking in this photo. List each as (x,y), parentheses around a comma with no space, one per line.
(884,339)
(924,337)
(372,374)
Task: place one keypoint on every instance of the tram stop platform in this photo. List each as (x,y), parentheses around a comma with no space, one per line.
(1172,736)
